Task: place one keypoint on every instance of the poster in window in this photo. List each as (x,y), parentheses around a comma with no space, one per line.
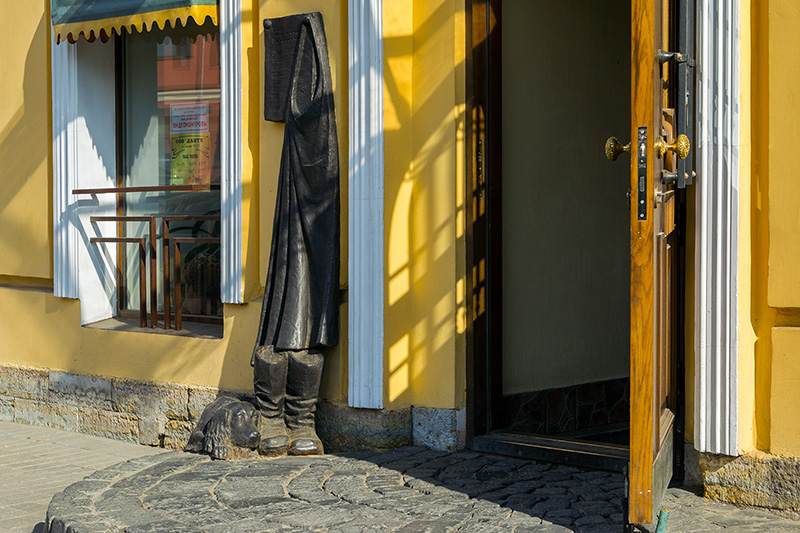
(190,143)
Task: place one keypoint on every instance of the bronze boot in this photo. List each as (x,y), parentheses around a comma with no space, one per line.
(302,392)
(269,384)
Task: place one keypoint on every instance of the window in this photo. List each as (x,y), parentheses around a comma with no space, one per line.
(95,154)
(169,96)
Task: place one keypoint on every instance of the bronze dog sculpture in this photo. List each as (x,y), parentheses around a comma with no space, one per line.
(227,429)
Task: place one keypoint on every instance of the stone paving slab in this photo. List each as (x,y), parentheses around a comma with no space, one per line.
(408,490)
(37,462)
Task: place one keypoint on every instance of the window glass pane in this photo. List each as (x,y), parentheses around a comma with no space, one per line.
(171,138)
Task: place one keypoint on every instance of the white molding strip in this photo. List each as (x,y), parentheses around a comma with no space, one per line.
(365,219)
(230,30)
(717,190)
(64,69)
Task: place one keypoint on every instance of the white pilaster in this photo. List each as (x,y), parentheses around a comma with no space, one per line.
(365,220)
(230,31)
(65,107)
(717,189)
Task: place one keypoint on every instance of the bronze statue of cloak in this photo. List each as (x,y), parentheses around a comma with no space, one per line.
(301,303)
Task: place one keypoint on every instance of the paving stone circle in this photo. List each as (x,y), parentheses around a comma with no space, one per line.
(407,490)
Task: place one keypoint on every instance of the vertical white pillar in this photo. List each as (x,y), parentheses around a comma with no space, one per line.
(64,68)
(230,32)
(365,219)
(717,189)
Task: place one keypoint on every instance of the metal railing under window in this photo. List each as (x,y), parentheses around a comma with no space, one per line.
(169,244)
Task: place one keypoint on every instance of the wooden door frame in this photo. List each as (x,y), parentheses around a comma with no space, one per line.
(484,229)
(642,319)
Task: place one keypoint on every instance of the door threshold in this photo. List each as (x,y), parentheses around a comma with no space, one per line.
(555,450)
(613,434)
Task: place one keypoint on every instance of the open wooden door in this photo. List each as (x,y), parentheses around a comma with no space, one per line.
(529,189)
(657,149)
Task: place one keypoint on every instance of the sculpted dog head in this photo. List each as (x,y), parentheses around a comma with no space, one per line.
(225,425)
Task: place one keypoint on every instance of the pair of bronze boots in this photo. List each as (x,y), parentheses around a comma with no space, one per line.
(286,391)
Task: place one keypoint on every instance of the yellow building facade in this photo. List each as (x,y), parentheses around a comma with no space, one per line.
(405,368)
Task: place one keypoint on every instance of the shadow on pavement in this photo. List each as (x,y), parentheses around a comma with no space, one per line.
(573,498)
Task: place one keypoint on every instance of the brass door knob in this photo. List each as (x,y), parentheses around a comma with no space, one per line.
(680,146)
(614,148)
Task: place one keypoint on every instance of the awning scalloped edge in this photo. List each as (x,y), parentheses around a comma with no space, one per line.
(103,28)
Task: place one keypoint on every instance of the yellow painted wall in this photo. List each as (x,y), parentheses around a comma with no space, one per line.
(746,336)
(51,335)
(25,200)
(43,331)
(783,139)
(398,52)
(425,259)
(424,203)
(785,397)
(774,231)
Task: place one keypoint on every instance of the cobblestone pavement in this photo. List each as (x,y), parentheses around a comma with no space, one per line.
(409,489)
(37,462)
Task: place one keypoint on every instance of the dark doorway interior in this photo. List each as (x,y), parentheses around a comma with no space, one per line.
(550,234)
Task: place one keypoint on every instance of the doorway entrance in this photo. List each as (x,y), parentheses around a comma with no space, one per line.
(559,241)
(576,272)
(564,257)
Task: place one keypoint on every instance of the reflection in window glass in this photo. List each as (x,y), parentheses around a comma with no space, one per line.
(171,96)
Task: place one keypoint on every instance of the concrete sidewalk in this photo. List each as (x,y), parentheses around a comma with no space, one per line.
(37,462)
(408,489)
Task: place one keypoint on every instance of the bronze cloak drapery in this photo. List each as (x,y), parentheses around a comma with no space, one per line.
(301,303)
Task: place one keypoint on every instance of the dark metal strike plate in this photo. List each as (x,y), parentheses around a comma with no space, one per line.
(641,165)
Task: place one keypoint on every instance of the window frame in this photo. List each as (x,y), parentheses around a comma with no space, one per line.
(66,151)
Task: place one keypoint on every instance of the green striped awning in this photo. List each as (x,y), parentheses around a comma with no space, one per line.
(99,18)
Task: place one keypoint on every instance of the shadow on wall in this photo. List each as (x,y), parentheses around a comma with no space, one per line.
(425,201)
(24,156)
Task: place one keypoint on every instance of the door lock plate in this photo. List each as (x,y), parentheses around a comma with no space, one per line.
(641,172)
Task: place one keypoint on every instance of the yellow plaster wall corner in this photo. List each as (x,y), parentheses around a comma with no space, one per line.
(785,431)
(432,218)
(745,332)
(251,121)
(25,200)
(784,136)
(398,39)
(54,339)
(423,107)
(459,115)
(762,315)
